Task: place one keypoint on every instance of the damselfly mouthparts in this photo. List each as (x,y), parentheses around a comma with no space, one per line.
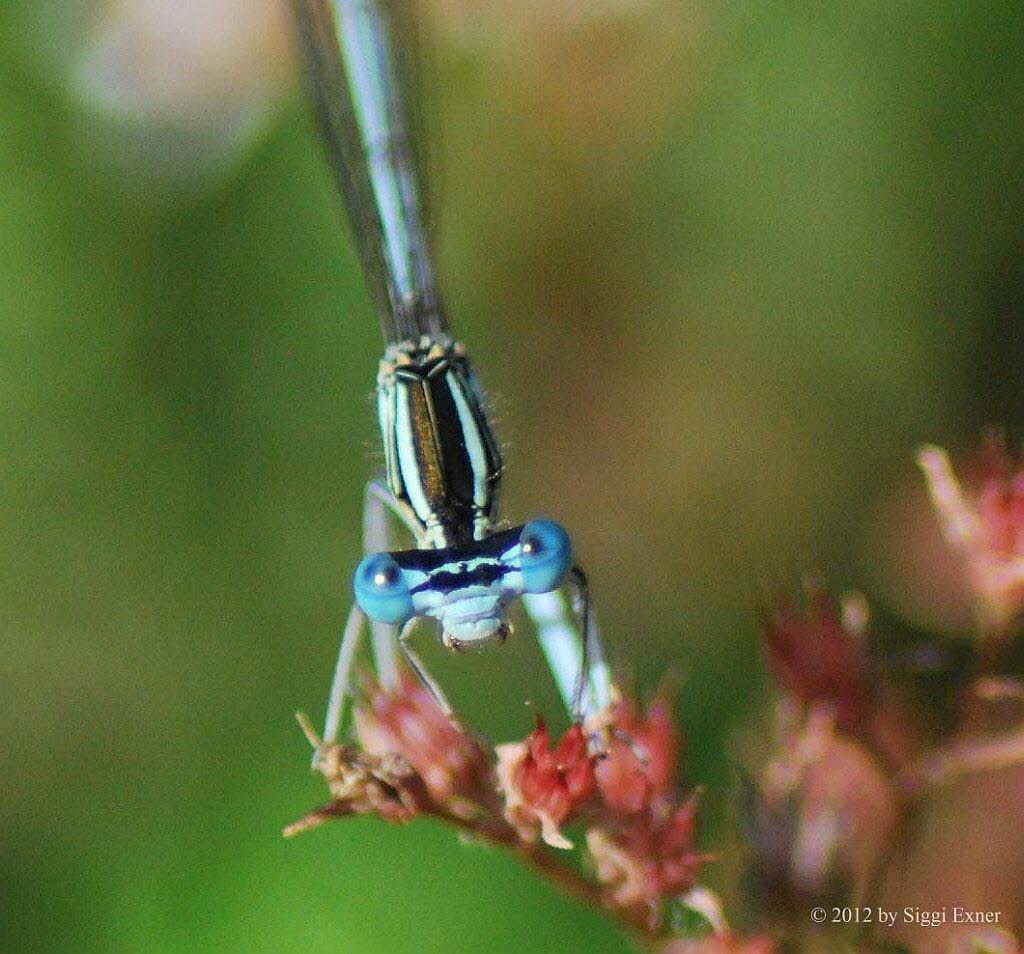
(443,464)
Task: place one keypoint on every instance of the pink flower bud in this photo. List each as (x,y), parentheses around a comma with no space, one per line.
(815,651)
(545,787)
(649,857)
(985,528)
(407,721)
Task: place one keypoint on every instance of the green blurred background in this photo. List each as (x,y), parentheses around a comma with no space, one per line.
(722,267)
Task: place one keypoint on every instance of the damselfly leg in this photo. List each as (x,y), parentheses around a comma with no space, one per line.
(378,503)
(572,646)
(387,639)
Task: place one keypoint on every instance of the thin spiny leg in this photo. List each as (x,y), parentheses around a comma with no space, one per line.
(412,657)
(350,640)
(594,686)
(572,647)
(377,539)
(581,696)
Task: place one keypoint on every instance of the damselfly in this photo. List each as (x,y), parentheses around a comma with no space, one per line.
(443,463)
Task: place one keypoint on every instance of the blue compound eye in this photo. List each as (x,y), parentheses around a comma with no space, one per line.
(381,590)
(546,555)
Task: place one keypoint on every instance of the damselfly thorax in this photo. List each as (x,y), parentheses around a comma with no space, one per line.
(442,461)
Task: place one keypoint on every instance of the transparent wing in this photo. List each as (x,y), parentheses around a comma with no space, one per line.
(417,68)
(360,59)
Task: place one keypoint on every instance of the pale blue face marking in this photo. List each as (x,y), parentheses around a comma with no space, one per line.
(466,589)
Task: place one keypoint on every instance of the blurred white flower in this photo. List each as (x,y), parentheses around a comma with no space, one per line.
(177,87)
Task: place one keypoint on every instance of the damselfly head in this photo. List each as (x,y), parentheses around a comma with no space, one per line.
(467,588)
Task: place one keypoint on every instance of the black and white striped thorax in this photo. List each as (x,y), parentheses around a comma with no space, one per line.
(442,459)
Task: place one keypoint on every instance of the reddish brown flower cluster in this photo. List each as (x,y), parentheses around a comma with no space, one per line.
(861,747)
(644,844)
(639,835)
(412,760)
(857,752)
(829,797)
(407,722)
(985,529)
(816,651)
(615,777)
(828,811)
(545,787)
(828,800)
(649,856)
(639,764)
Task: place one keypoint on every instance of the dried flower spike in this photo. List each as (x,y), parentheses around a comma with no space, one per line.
(362,784)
